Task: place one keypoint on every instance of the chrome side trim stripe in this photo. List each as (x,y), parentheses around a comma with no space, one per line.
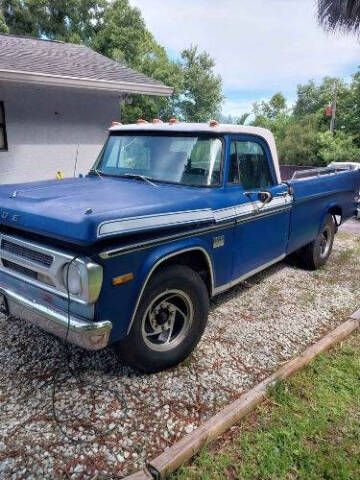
(234,282)
(135,224)
(154,221)
(161,240)
(198,231)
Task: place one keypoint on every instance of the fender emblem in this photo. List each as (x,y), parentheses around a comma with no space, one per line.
(218,241)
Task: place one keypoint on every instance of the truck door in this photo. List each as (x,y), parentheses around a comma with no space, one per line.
(261,230)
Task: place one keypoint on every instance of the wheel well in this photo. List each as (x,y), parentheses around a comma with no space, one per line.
(336,211)
(196,260)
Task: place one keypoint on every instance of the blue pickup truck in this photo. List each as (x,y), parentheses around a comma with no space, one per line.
(170,215)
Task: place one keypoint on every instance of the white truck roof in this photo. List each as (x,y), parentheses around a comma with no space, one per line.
(220,128)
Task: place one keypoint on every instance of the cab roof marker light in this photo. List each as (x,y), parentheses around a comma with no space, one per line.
(141,120)
(156,120)
(213,123)
(115,124)
(173,120)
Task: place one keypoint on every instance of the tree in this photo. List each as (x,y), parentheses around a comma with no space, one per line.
(243,118)
(308,99)
(68,20)
(337,148)
(299,144)
(267,111)
(339,14)
(202,87)
(3,26)
(125,38)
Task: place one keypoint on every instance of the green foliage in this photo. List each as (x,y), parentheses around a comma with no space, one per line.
(125,38)
(68,20)
(271,110)
(302,133)
(117,30)
(338,148)
(3,26)
(309,428)
(299,144)
(202,88)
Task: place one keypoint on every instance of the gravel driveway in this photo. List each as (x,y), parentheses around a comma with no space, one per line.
(69,414)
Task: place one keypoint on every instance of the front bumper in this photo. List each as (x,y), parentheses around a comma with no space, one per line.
(84,333)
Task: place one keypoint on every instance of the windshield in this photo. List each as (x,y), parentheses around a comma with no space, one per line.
(193,161)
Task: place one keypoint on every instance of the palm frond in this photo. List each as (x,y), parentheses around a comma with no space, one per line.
(342,15)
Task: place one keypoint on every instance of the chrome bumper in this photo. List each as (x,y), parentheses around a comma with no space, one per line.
(84,333)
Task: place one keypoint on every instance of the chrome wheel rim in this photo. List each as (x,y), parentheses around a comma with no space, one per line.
(167,320)
(325,242)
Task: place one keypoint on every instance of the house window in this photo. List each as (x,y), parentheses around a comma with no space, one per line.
(3,140)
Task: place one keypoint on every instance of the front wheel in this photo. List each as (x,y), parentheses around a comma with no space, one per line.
(316,253)
(169,321)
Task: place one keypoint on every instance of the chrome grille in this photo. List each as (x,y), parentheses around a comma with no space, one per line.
(19,269)
(24,252)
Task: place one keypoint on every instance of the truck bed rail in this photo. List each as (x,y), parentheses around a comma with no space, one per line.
(319,171)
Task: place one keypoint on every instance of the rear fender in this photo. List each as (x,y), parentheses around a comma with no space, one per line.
(334,209)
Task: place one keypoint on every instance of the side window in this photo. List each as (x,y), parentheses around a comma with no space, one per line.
(252,166)
(3,140)
(234,168)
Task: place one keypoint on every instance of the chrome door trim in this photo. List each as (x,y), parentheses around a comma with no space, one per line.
(226,286)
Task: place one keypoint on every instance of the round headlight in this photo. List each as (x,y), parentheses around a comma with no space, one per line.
(72,278)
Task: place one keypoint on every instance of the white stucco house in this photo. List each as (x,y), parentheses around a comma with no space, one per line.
(57,101)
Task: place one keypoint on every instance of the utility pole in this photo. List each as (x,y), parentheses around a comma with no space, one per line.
(333,108)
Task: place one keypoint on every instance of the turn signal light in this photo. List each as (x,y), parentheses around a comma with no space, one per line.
(123,279)
(213,123)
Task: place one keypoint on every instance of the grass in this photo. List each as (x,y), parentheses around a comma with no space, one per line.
(309,428)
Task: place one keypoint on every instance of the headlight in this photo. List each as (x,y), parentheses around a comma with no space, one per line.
(72,278)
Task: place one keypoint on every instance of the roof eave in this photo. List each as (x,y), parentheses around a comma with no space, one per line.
(84,83)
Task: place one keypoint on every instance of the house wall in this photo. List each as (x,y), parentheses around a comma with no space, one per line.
(51,129)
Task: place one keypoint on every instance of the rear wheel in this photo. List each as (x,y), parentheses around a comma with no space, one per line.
(316,253)
(169,321)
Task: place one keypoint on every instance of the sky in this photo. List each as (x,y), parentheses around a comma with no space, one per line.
(260,46)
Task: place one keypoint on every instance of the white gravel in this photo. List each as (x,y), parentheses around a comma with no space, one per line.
(106,420)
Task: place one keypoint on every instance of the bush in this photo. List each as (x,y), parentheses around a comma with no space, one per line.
(337,148)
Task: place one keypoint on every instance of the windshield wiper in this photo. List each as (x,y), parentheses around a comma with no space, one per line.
(97,173)
(139,177)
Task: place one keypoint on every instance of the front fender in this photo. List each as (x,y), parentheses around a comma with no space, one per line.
(118,303)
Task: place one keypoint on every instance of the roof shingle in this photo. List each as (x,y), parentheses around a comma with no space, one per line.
(73,62)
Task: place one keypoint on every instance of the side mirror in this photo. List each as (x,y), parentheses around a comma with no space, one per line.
(265,197)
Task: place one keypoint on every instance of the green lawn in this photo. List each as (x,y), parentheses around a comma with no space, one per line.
(308,429)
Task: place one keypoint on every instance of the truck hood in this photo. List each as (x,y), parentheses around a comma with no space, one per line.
(84,210)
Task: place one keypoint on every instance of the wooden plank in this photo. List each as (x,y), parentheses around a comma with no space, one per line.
(140,475)
(183,450)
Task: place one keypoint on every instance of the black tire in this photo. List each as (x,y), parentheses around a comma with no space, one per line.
(172,295)
(315,254)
